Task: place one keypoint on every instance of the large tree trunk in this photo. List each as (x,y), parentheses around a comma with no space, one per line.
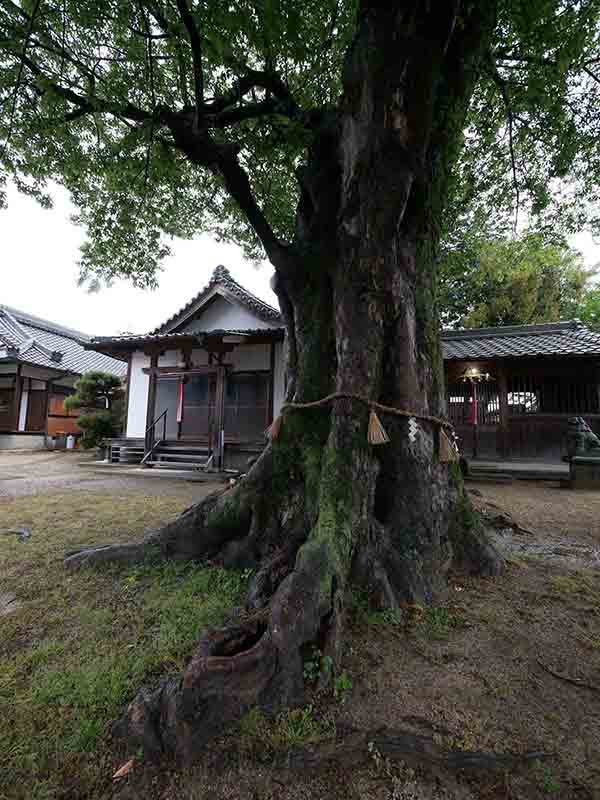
(322,507)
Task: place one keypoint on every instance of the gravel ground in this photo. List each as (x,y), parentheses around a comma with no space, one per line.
(26,473)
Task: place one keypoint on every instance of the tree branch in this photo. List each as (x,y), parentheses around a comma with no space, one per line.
(20,75)
(233,116)
(252,79)
(503,86)
(592,74)
(196,46)
(238,185)
(87,104)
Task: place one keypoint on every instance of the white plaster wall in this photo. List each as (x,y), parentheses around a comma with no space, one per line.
(249,357)
(223,315)
(138,395)
(199,357)
(23,408)
(171,358)
(279,378)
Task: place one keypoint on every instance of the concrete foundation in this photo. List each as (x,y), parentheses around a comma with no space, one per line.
(22,441)
(585,473)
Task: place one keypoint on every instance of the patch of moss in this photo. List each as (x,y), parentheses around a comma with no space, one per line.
(466,530)
(581,585)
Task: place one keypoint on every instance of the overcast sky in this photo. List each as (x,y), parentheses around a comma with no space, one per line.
(39,250)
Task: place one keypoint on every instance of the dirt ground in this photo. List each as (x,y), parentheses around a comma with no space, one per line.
(507,665)
(33,472)
(561,525)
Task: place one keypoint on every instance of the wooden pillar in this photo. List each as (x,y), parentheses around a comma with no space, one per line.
(271,384)
(151,399)
(503,430)
(47,406)
(17,398)
(125,415)
(220,416)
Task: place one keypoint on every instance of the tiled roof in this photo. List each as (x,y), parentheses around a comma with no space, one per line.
(570,338)
(36,341)
(221,279)
(130,339)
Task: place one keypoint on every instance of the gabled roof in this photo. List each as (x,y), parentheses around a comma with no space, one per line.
(39,342)
(221,283)
(570,338)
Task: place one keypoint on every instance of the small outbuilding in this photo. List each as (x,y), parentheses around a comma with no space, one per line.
(511,390)
(39,364)
(204,386)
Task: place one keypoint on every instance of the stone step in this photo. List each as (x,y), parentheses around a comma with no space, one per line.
(160,455)
(181,448)
(192,465)
(490,477)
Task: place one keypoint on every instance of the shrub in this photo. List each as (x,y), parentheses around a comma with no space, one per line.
(97,426)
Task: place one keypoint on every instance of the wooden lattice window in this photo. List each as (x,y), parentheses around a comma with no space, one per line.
(247,405)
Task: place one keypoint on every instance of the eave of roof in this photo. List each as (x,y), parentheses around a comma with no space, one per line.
(18,360)
(129,342)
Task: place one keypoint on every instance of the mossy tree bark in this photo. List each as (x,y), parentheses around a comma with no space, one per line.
(321,506)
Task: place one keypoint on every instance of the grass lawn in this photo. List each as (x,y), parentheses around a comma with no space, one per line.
(79,645)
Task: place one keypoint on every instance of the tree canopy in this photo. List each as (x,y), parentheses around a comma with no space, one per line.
(104,96)
(513,281)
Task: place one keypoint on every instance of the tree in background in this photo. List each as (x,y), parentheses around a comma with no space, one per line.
(511,281)
(100,395)
(589,308)
(329,136)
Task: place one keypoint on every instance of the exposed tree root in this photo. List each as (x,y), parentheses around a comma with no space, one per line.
(200,532)
(127,553)
(356,746)
(302,562)
(579,682)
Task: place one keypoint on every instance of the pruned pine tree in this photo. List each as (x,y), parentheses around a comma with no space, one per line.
(330,136)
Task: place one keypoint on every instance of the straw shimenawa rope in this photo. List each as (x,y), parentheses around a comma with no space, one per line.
(376,433)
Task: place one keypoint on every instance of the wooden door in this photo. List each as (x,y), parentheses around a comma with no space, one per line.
(36,410)
(199,407)
(7,413)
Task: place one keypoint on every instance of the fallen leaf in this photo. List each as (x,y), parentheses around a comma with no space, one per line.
(124,770)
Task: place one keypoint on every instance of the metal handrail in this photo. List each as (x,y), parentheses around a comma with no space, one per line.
(150,443)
